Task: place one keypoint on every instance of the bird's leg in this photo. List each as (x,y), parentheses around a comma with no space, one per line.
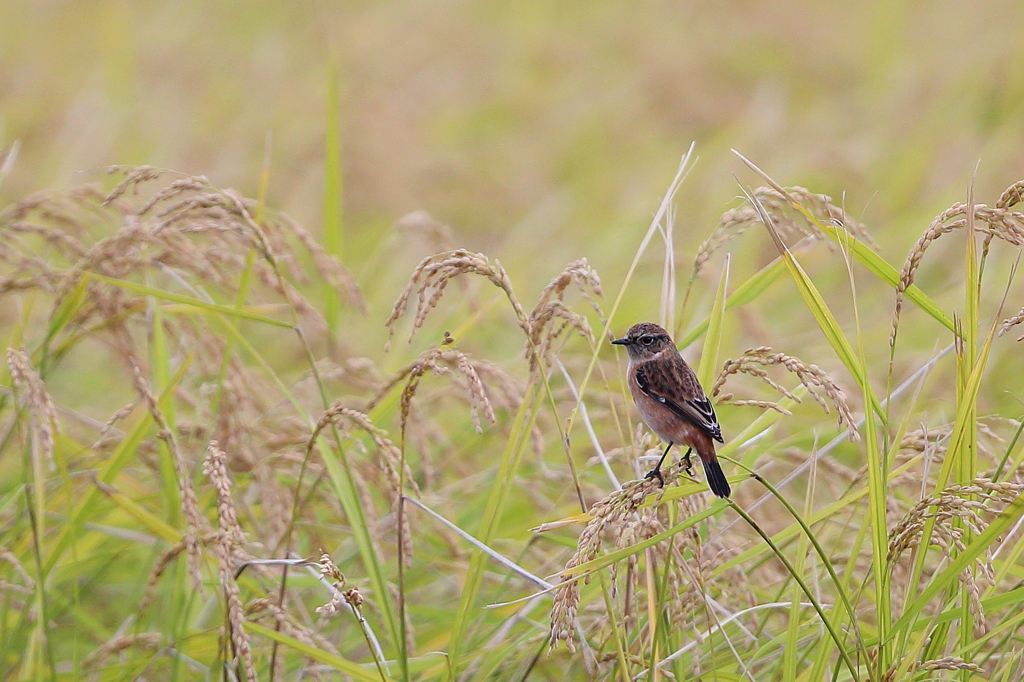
(686,462)
(656,471)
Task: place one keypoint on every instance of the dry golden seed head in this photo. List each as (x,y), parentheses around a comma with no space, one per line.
(994,222)
(440,236)
(432,275)
(149,641)
(41,410)
(1011,196)
(442,361)
(19,568)
(198,183)
(952,663)
(818,384)
(190,505)
(330,609)
(763,404)
(328,569)
(353,597)
(951,505)
(235,624)
(1012,322)
(327,265)
(608,513)
(215,466)
(134,176)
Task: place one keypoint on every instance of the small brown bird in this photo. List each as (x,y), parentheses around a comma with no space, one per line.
(671,401)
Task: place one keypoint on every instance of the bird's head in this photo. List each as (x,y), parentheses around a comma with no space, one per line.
(645,340)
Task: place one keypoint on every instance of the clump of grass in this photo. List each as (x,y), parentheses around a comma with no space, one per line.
(899,562)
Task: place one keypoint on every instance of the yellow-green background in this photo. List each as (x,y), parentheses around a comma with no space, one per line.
(541,133)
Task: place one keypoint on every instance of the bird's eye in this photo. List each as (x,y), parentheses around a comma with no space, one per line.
(647,340)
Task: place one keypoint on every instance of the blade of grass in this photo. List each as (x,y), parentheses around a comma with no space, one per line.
(153,522)
(1009,451)
(790,652)
(818,308)
(681,173)
(878,492)
(340,475)
(522,425)
(60,318)
(843,654)
(713,340)
(967,455)
(944,579)
(119,458)
(864,255)
(961,429)
(753,287)
(340,664)
(200,305)
(160,368)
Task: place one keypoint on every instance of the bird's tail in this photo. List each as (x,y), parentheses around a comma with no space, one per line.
(715,475)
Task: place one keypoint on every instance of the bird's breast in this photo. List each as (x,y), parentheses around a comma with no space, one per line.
(668,425)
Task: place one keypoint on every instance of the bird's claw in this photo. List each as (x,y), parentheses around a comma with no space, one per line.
(688,464)
(655,473)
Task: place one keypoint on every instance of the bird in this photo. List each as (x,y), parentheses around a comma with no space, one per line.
(671,401)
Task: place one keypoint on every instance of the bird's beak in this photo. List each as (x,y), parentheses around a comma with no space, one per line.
(621,342)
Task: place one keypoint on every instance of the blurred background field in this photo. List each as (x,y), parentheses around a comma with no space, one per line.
(536,133)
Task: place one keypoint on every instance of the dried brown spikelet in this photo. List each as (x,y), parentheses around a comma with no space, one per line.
(149,641)
(390,460)
(432,275)
(235,614)
(951,663)
(439,236)
(108,425)
(606,513)
(33,394)
(230,537)
(442,361)
(735,220)
(957,509)
(327,265)
(819,384)
(197,183)
(330,571)
(341,593)
(923,438)
(215,467)
(947,663)
(19,568)
(390,454)
(551,308)
(257,609)
(133,176)
(189,503)
(159,568)
(997,221)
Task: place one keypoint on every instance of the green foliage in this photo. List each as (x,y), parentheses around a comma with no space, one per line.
(887,573)
(412,511)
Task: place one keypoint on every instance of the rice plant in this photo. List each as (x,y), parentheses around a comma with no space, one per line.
(221,460)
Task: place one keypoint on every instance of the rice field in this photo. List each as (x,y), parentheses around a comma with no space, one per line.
(308,368)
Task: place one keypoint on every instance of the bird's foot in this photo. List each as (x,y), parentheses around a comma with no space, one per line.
(655,473)
(687,463)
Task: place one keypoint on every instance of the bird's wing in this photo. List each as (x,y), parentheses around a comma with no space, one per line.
(671,382)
